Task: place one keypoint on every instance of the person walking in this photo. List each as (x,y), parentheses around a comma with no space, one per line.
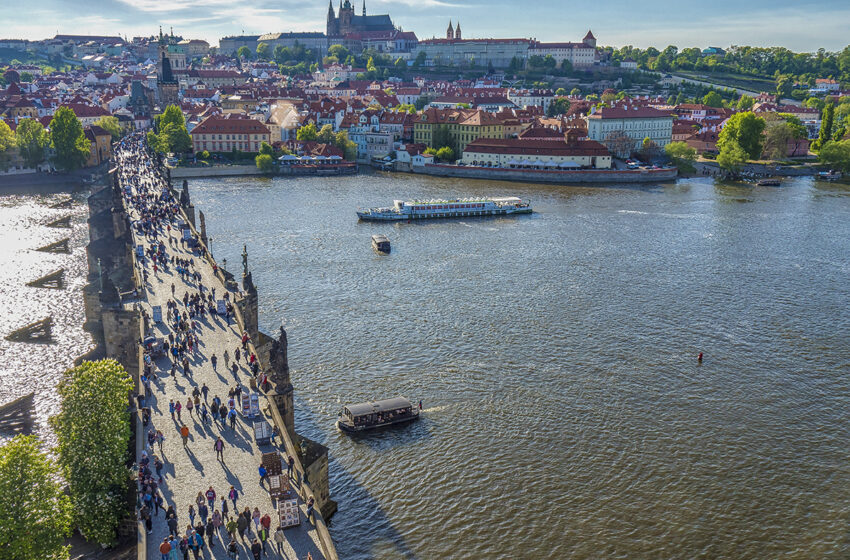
(203,511)
(290,464)
(172,524)
(165,549)
(219,449)
(233,494)
(172,408)
(159,439)
(214,362)
(223,413)
(310,503)
(231,527)
(211,497)
(279,539)
(232,548)
(263,474)
(189,406)
(256,518)
(242,525)
(178,407)
(184,433)
(263,535)
(232,416)
(211,528)
(205,390)
(224,510)
(256,549)
(192,514)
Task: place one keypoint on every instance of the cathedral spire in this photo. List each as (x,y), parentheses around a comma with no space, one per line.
(364,8)
(450,32)
(457,31)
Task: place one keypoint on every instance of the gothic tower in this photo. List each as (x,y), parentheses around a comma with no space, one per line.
(457,31)
(332,23)
(450,32)
(346,14)
(364,8)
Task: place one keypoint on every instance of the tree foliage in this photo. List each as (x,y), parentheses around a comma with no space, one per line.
(244,53)
(264,51)
(836,155)
(31,139)
(732,156)
(111,125)
(265,163)
(558,106)
(93,431)
(266,149)
(777,136)
(7,142)
(307,133)
(445,154)
(68,140)
(171,134)
(681,155)
(745,130)
(826,120)
(36,514)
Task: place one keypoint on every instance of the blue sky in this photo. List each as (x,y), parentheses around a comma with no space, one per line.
(801,26)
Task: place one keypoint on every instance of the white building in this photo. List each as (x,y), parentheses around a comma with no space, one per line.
(577,54)
(635,122)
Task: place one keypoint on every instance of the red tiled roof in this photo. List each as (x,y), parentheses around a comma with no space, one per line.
(537,147)
(629,113)
(222,125)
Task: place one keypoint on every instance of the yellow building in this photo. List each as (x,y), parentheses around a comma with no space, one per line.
(457,127)
(101,145)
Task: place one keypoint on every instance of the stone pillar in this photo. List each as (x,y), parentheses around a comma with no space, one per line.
(203,227)
(281,393)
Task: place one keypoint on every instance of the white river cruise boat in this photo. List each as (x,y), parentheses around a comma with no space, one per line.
(459,208)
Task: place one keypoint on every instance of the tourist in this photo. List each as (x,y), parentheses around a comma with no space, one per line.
(310,503)
(191,514)
(279,539)
(184,433)
(219,450)
(232,548)
(214,361)
(256,549)
(205,390)
(263,535)
(177,408)
(164,548)
(275,432)
(172,524)
(211,528)
(242,525)
(256,518)
(159,439)
(211,497)
(233,495)
(224,510)
(172,408)
(263,474)
(189,406)
(203,511)
(290,464)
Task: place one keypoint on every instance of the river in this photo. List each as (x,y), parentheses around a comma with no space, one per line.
(566,415)
(24,368)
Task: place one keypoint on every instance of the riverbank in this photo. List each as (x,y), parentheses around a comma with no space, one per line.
(596,176)
(252,170)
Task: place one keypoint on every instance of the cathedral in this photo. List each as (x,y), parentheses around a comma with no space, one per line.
(347,23)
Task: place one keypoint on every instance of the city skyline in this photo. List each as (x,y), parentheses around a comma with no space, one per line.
(681,24)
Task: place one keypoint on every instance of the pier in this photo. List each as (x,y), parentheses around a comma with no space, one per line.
(193,467)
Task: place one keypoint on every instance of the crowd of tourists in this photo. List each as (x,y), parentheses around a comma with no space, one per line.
(210,522)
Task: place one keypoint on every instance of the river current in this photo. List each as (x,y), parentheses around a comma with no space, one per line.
(566,415)
(26,368)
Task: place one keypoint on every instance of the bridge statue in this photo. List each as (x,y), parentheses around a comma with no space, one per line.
(278,359)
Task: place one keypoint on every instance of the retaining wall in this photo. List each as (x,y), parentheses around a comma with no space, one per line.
(549,176)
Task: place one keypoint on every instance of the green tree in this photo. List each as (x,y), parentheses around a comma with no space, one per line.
(171,115)
(784,86)
(370,65)
(446,154)
(400,64)
(68,140)
(93,433)
(7,142)
(326,134)
(265,163)
(348,147)
(419,62)
(826,119)
(745,130)
(26,77)
(176,138)
(777,136)
(745,103)
(264,51)
(245,53)
(111,125)
(307,133)
(712,99)
(558,106)
(266,149)
(732,156)
(681,155)
(36,515)
(575,91)
(560,92)
(31,139)
(836,155)
(339,51)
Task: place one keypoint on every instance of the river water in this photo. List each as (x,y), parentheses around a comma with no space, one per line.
(556,355)
(26,368)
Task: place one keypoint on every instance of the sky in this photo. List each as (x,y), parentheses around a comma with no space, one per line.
(800,25)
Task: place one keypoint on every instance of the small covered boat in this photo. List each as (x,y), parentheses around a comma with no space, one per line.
(771,182)
(356,418)
(381,243)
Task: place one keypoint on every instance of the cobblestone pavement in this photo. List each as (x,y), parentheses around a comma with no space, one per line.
(194,468)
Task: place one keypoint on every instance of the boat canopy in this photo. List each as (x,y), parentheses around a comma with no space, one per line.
(385,405)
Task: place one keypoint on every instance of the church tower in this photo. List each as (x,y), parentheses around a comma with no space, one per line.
(450,32)
(364,8)
(457,31)
(331,26)
(346,15)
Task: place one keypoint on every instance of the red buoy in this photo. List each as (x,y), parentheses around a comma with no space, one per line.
(699,358)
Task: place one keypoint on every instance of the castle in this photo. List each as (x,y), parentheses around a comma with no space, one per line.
(347,23)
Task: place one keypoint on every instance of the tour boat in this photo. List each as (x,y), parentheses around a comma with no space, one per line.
(457,208)
(380,243)
(356,418)
(769,182)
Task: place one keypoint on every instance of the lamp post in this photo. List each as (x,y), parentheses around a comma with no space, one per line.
(224,264)
(209,245)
